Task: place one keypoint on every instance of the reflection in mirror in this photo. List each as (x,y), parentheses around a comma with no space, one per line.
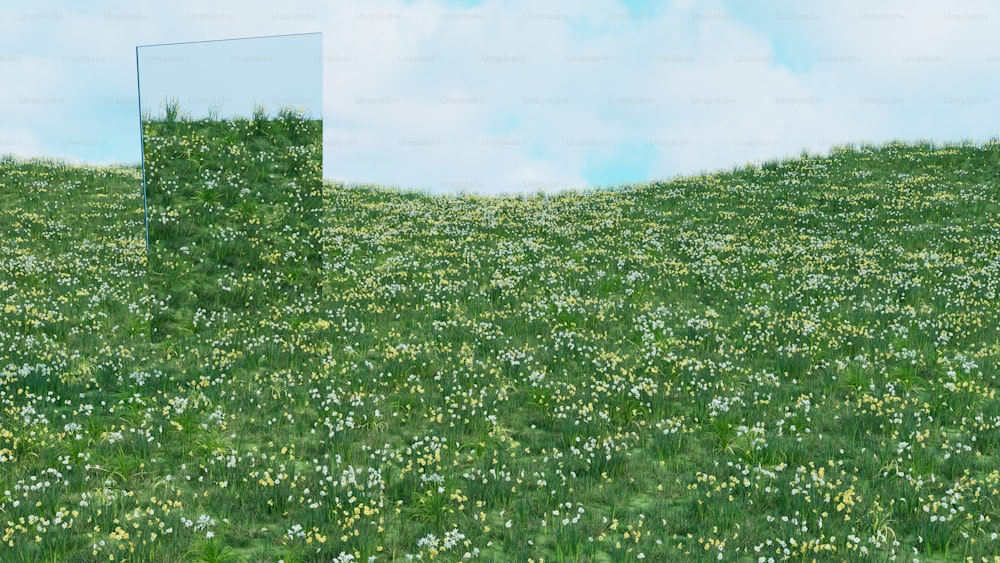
(232,173)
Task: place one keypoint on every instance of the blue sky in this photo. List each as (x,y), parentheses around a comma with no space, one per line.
(234,77)
(523,96)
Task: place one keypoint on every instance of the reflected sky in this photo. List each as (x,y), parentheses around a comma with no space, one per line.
(229,77)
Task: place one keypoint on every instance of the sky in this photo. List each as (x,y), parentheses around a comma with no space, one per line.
(189,75)
(511,96)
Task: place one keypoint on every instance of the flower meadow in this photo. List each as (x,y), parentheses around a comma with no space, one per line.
(792,360)
(227,201)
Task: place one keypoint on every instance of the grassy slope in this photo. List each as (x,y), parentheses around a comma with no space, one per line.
(235,211)
(793,360)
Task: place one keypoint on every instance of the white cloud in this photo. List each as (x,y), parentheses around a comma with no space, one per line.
(21,141)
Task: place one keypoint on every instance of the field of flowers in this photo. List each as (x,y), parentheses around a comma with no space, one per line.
(795,360)
(234,211)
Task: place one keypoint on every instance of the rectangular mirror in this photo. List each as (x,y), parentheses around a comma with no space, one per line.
(232,141)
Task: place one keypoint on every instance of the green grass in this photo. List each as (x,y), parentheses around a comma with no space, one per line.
(794,360)
(234,214)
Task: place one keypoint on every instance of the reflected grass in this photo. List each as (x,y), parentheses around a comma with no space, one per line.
(229,202)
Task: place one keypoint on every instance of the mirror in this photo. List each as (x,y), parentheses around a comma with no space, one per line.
(232,147)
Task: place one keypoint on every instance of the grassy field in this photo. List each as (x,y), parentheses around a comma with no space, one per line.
(234,210)
(789,361)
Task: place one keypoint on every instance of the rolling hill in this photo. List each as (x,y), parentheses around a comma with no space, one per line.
(792,360)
